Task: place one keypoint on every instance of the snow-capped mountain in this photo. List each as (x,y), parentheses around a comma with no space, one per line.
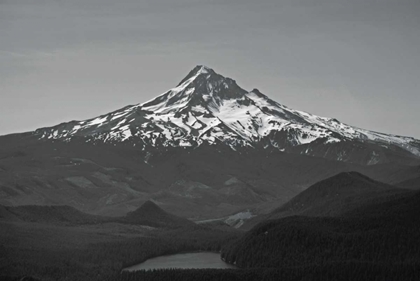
(207,108)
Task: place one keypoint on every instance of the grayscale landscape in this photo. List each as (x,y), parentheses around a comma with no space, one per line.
(193,140)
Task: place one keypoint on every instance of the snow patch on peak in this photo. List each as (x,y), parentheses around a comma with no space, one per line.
(204,69)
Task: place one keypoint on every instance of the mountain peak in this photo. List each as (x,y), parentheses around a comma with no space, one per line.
(203,69)
(147,209)
(202,87)
(197,71)
(208,108)
(149,206)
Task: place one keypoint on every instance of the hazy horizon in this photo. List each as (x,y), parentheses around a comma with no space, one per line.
(354,61)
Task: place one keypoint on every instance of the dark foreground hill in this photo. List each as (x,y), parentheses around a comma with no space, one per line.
(336,195)
(385,233)
(332,197)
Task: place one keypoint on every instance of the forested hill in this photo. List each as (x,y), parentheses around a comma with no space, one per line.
(337,195)
(384,233)
(334,197)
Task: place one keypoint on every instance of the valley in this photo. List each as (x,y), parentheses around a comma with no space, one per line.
(82,249)
(379,238)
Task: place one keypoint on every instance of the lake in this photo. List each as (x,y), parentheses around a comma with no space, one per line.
(187,260)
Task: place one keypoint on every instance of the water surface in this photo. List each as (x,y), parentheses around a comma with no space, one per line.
(188,260)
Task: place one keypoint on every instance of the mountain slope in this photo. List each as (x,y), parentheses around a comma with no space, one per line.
(113,180)
(207,108)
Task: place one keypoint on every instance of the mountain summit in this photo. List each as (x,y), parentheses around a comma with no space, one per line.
(208,108)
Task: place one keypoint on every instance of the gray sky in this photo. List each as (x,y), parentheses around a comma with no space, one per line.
(357,61)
